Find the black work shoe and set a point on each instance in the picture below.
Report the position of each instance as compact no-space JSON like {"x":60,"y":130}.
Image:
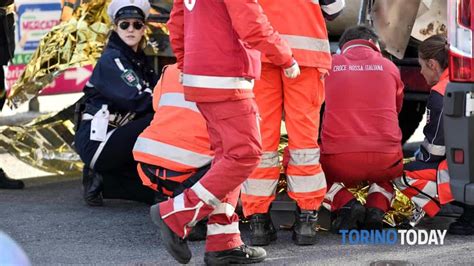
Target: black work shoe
{"x":8,"y":183}
{"x":464,"y":224}
{"x":176,"y":246}
{"x":374,"y":219}
{"x":304,"y":230}
{"x":262,"y":231}
{"x":348,"y":217}
{"x":240,"y":255}
{"x":92,"y":183}
{"x":199,"y":231}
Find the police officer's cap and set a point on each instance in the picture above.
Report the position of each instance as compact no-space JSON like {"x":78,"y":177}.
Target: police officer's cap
{"x":122,"y":9}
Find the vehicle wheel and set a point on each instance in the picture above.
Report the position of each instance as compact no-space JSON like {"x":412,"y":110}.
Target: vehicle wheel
{"x":410,"y":117}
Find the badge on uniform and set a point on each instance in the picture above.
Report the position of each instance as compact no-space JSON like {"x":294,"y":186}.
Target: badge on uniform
{"x":130,"y":78}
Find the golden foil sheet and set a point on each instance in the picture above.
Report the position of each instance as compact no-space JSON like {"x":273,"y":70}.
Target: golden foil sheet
{"x":73,"y":43}
{"x":45,"y":143}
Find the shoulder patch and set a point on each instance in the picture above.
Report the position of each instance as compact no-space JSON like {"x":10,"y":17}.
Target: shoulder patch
{"x":130,"y":78}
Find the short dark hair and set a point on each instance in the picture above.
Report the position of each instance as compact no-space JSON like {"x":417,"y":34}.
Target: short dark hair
{"x":435,"y":47}
{"x":358,"y":32}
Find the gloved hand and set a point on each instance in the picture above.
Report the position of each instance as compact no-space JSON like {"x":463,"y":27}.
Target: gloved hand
{"x":293,"y":71}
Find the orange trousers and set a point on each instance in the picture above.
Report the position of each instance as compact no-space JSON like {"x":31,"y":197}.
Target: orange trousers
{"x":299,"y":102}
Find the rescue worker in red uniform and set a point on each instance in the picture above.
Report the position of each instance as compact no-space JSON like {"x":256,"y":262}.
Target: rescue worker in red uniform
{"x":426,"y":180}
{"x":361,"y":139}
{"x":300,"y":100}
{"x":173,"y":152}
{"x":216,"y":43}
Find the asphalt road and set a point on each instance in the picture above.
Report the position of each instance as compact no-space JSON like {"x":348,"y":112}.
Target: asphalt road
{"x":50,"y":221}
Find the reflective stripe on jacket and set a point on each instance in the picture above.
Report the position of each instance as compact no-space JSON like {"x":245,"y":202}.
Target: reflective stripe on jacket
{"x":301,"y":23}
{"x":177,"y":138}
{"x":217,"y":48}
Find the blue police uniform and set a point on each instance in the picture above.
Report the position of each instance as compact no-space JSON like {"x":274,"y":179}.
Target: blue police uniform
{"x":123,"y":81}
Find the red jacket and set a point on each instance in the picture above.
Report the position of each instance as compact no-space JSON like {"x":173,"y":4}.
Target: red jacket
{"x":215,"y":47}
{"x":364,"y":94}
{"x":301,"y":23}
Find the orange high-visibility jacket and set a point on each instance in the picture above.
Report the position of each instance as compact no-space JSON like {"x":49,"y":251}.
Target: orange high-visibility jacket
{"x":301,"y":23}
{"x":177,"y":138}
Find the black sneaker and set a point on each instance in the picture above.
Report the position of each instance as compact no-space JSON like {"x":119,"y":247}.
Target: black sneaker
{"x":304,"y":230}
{"x":348,"y":217}
{"x":464,"y":224}
{"x":92,"y":183}
{"x":176,"y":246}
{"x":8,"y":183}
{"x":262,"y":231}
{"x":199,"y":231}
{"x":374,"y":219}
{"x":240,"y":255}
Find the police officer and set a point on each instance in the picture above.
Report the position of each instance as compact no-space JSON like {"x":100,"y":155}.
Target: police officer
{"x":7,"y":47}
{"x":118,"y":107}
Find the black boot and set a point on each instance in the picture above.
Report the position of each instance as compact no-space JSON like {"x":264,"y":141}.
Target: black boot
{"x":262,"y":231}
{"x":92,"y":184}
{"x":464,"y":224}
{"x":304,"y":230}
{"x":240,"y":255}
{"x":374,"y":219}
{"x":176,"y":246}
{"x":8,"y":183}
{"x":348,"y":217}
{"x":199,"y":231}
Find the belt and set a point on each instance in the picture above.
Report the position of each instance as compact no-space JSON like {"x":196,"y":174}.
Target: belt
{"x":10,"y":9}
{"x":87,"y":116}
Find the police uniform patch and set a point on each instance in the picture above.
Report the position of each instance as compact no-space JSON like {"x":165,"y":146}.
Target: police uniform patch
{"x":130,"y":78}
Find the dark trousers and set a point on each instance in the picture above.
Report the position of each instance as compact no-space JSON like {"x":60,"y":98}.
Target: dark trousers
{"x":119,"y":169}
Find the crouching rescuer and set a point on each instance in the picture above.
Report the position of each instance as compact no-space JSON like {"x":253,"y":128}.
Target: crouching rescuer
{"x":426,"y":180}
{"x":174,"y":152}
{"x":361,"y":139}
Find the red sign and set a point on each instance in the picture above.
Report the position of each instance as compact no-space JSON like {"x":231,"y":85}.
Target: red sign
{"x":71,"y":81}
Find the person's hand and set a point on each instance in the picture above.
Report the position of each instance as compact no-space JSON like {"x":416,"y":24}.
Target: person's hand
{"x":293,"y":71}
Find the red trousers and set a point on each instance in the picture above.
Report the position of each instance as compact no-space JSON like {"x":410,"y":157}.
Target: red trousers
{"x":235,"y":139}
{"x":351,"y":169}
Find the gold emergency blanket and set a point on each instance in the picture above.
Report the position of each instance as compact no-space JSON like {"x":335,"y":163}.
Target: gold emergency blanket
{"x":74,"y":43}
{"x":403,"y":210}
{"x":45,"y":143}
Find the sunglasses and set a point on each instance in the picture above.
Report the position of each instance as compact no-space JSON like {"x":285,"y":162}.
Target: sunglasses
{"x":124,"y":25}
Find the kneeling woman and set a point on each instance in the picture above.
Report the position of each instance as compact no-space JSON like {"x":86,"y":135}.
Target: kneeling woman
{"x":118,"y":107}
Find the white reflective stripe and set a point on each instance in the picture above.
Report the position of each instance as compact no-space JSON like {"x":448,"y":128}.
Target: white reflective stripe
{"x":100,"y":148}
{"x":438,"y":150}
{"x":269,"y":160}
{"x":215,"y":82}
{"x":334,"y":8}
{"x":430,"y":189}
{"x":172,"y":153}
{"x":259,"y":187}
{"x":374,"y":188}
{"x":224,"y":208}
{"x":302,"y":184}
{"x":205,"y":195}
{"x":353,"y":46}
{"x":178,"y":202}
{"x":420,"y":200}
{"x":316,"y":2}
{"x":336,"y":187}
{"x":148,"y":90}
{"x":307,"y":43}
{"x":302,"y":157}
{"x":177,"y":100}
{"x":219,"y":229}
{"x":443,"y":177}
{"x":88,"y":84}
{"x":119,"y":64}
